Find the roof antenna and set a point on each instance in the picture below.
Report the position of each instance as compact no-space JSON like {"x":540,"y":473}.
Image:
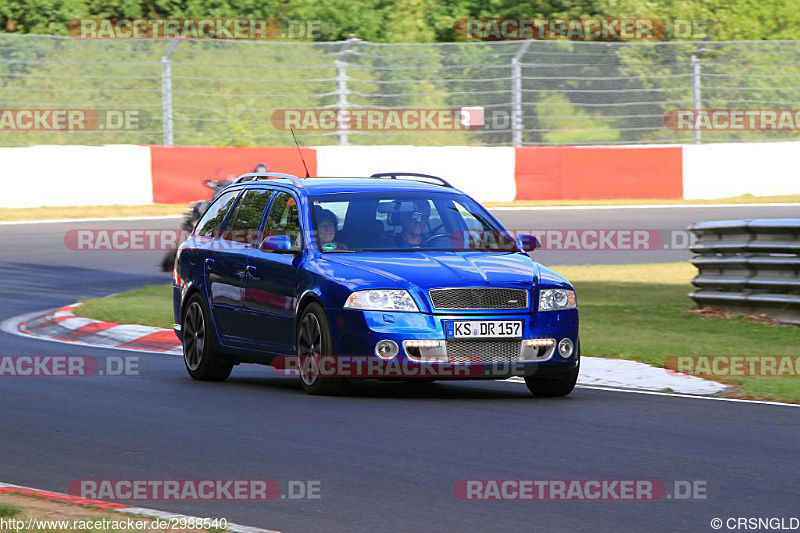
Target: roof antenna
{"x":300,"y":152}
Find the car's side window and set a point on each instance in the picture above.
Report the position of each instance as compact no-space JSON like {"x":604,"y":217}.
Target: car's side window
{"x":246,"y":217}
{"x":284,"y":219}
{"x":468,"y":220}
{"x":213,"y":218}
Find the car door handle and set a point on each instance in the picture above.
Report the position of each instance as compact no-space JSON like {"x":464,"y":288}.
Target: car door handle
{"x":209,"y":263}
{"x":250,"y":270}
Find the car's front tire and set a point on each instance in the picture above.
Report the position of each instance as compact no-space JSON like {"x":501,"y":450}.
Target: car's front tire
{"x":550,"y":387}
{"x":313,"y":342}
{"x":556,"y":385}
{"x":201,"y":360}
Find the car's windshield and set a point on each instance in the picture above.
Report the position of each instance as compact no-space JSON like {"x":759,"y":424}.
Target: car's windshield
{"x":352,"y":222}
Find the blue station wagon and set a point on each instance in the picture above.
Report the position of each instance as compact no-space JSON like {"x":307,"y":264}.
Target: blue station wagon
{"x":394,"y":276}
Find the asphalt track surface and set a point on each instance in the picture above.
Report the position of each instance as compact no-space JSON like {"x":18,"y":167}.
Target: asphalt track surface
{"x":387,"y":456}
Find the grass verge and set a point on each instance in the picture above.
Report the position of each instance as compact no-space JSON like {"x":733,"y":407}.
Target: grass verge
{"x":636,"y":312}
{"x":640,"y":312}
{"x":151,"y":306}
{"x":7,"y":511}
{"x":108,"y":211}
{"x":89,"y":211}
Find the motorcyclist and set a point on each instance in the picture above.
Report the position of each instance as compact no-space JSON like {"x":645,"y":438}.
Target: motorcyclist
{"x":197,"y":210}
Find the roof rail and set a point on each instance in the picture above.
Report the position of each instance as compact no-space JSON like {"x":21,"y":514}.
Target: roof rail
{"x":253,"y":176}
{"x":394,"y":176}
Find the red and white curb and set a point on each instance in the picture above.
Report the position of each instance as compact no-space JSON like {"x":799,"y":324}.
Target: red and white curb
{"x":6,"y":488}
{"x":62,"y":325}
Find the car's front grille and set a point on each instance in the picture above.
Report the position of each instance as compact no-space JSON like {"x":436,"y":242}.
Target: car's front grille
{"x":485,"y":352}
{"x":465,"y":298}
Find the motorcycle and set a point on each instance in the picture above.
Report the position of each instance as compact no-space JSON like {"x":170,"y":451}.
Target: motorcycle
{"x":196,"y":211}
{"x":192,"y":215}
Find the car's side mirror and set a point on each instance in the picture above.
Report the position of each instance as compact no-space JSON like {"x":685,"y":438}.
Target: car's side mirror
{"x":528,"y":243}
{"x":277,"y":243}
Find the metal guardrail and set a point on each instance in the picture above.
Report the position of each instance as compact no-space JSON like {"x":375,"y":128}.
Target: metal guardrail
{"x":748,"y":267}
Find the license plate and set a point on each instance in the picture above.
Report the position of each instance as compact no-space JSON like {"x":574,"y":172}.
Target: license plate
{"x":475,"y":329}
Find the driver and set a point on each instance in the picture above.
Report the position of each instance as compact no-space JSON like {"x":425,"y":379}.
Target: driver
{"x":413,"y":224}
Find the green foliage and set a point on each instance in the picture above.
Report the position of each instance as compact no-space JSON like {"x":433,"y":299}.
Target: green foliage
{"x":225,"y":93}
{"x":568,"y":125}
{"x":413,"y":20}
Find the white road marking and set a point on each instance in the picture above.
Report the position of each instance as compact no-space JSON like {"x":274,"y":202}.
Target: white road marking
{"x":614,"y":375}
{"x":673,"y":394}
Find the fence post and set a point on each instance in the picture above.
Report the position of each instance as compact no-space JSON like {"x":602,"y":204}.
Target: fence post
{"x":696,"y":95}
{"x":166,"y":92}
{"x":342,"y":103}
{"x":516,"y":94}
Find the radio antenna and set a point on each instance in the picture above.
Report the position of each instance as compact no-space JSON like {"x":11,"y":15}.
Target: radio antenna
{"x":308,"y":175}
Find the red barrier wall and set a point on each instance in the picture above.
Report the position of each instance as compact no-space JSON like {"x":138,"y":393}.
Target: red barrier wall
{"x":594,"y":173}
{"x":179,"y":172}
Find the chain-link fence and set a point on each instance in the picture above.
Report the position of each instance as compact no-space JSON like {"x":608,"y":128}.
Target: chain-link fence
{"x":200,"y":92}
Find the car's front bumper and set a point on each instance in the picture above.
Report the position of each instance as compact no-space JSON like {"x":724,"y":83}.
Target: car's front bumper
{"x":356,"y":333}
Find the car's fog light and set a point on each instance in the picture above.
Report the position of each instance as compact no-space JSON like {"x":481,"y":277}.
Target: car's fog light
{"x":565,"y":348}
{"x":386,"y":349}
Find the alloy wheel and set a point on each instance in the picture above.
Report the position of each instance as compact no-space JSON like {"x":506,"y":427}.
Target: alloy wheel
{"x":194,"y":336}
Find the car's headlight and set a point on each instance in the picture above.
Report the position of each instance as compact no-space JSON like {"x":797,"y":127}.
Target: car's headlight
{"x":382,"y":300}
{"x":556,"y":299}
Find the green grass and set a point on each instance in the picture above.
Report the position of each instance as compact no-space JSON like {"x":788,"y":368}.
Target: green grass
{"x":151,"y":305}
{"x":7,"y":511}
{"x":644,"y":318}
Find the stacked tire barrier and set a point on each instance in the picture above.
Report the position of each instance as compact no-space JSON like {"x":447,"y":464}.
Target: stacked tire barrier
{"x":748,"y":267}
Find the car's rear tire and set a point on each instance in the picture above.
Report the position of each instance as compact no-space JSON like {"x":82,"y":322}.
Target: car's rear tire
{"x":555,"y":385}
{"x":314,"y":341}
{"x":201,"y":360}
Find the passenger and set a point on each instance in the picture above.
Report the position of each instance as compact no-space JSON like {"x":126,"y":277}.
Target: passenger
{"x":326,"y":228}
